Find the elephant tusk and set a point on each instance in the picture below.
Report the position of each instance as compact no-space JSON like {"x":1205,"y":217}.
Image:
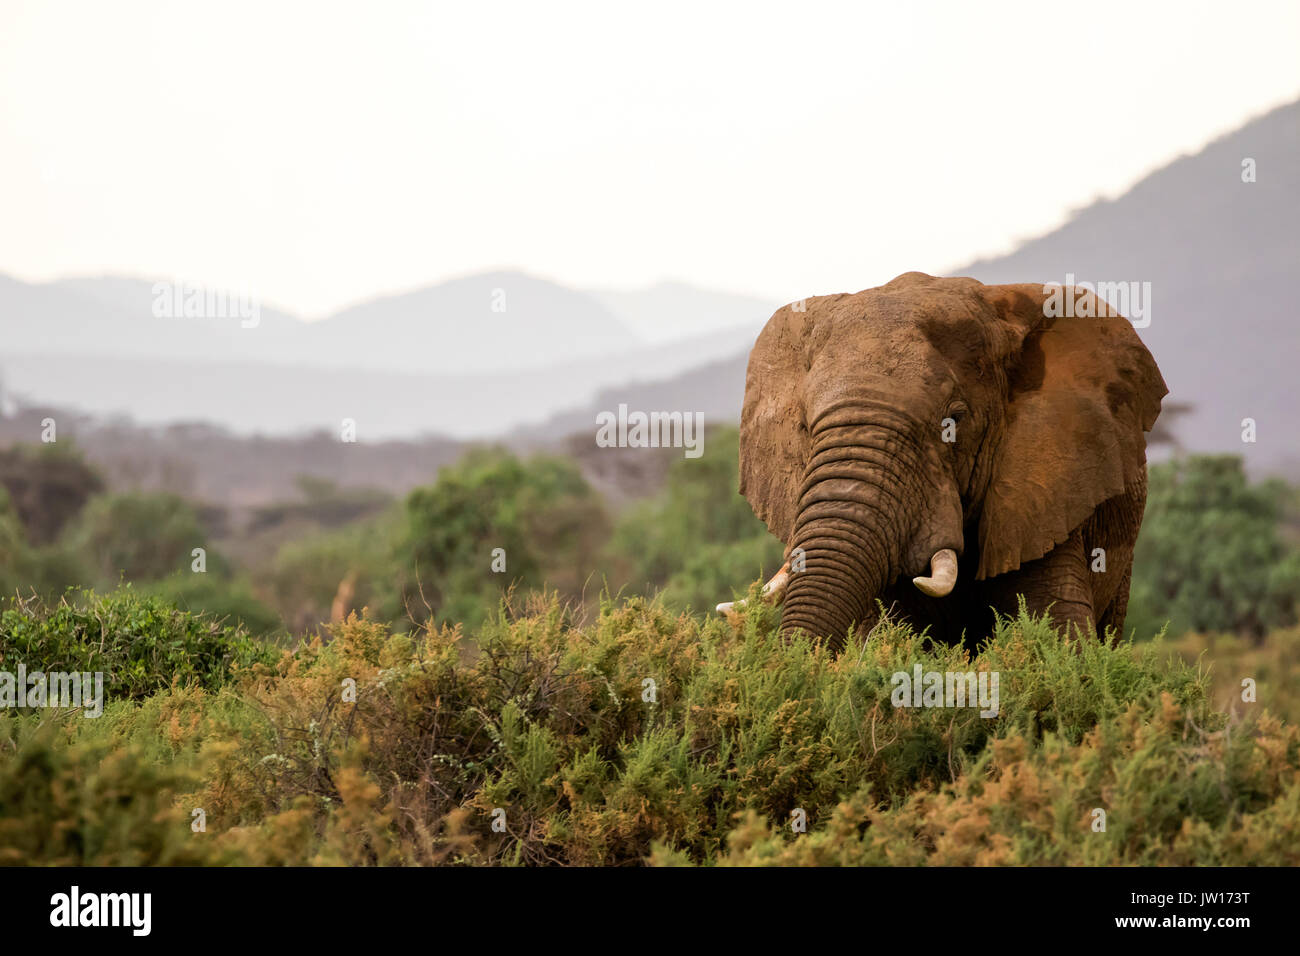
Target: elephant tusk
{"x":943,"y":574}
{"x":773,"y":591}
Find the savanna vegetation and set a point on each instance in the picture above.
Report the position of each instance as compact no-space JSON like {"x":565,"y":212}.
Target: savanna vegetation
{"x":643,"y":736}
{"x":1217,"y":554}
{"x":353,"y":679}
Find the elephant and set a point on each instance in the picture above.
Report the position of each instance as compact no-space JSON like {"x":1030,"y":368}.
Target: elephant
{"x":945,"y":448}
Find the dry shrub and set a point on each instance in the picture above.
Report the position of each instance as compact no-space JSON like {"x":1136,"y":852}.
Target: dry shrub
{"x":651,"y":736}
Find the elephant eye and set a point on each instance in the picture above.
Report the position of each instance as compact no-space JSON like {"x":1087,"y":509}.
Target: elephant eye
{"x":957,"y":411}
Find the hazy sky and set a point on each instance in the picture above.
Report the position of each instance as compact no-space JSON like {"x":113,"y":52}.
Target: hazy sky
{"x":321,"y":153}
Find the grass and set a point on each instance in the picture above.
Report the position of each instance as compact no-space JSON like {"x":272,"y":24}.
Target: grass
{"x":650,"y":737}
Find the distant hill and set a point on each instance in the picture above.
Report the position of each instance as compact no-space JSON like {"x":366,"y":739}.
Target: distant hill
{"x":672,"y":311}
{"x":435,"y":360}
{"x":1220,"y":255}
{"x":113,"y":317}
{"x":495,"y":321}
{"x":715,"y":390}
{"x":258,"y":398}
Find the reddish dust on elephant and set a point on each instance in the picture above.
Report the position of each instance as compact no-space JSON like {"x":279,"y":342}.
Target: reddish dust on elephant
{"x":943,"y":447}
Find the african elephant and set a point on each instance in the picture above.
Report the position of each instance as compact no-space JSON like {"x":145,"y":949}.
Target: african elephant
{"x":959,"y":435}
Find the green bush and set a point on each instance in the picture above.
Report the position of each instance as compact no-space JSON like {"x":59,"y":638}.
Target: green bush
{"x":713,"y":573}
{"x":698,"y":540}
{"x":541,"y":513}
{"x":25,"y":568}
{"x":48,"y":485}
{"x":140,"y":643}
{"x":90,"y":803}
{"x":15,"y":560}
{"x":139,"y":537}
{"x":1210,"y":556}
{"x":217,"y":598}
{"x":307,"y":575}
{"x":559,"y":727}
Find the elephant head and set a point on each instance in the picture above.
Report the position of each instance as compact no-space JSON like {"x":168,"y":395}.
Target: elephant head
{"x":888,"y":432}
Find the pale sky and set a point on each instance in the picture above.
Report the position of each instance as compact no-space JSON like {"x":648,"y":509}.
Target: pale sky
{"x":321,"y":153}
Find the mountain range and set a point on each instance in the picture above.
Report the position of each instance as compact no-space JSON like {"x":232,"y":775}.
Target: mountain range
{"x":486,"y":323}
{"x":507,"y":354}
{"x":465,"y":358}
{"x":1220,"y":254}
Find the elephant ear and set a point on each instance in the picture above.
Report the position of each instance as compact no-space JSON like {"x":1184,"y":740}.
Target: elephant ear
{"x":1081,"y":393}
{"x":774,"y":443}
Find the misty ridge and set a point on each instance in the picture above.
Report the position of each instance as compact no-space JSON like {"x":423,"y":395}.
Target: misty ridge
{"x":507,"y":356}
{"x":466,"y":358}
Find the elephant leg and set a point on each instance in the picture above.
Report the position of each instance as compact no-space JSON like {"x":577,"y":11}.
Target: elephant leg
{"x":1058,"y":584}
{"x":1113,"y":528}
{"x":1113,"y":617}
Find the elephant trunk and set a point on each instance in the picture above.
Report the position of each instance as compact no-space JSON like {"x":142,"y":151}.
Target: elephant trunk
{"x":851,"y":529}
{"x":837,"y":587}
